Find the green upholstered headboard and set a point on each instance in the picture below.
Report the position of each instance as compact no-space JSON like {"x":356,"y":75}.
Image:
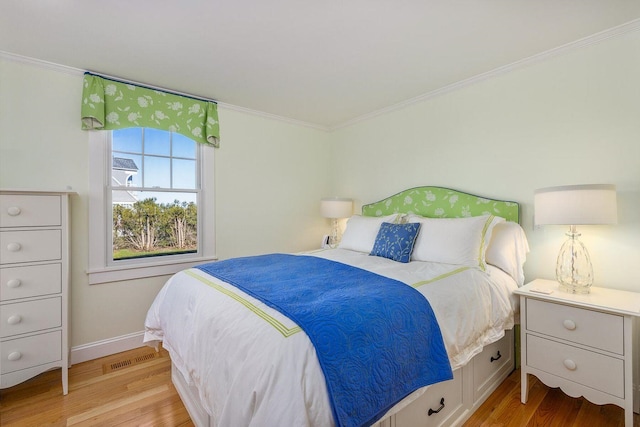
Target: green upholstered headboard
{"x":439,"y":202}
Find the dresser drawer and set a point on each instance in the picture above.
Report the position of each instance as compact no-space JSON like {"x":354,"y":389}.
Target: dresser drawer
{"x":594,"y":329}
{"x":29,"y":246}
{"x":31,"y":281}
{"x":30,"y":316}
{"x":31,"y":351}
{"x":417,"y":412}
{"x":21,"y":210}
{"x":585,"y":367}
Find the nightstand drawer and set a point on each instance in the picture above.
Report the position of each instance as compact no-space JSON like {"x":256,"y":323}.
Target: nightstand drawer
{"x":591,"y":328}
{"x":585,"y":367}
{"x":29,"y":246}
{"x":30,"y":316}
{"x":19,"y":210}
{"x":31,"y":281}
{"x":31,"y":351}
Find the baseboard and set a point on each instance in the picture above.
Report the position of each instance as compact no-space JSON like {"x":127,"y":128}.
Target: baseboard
{"x":107,"y":347}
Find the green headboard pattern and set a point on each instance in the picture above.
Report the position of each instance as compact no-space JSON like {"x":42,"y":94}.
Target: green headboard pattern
{"x":439,"y":202}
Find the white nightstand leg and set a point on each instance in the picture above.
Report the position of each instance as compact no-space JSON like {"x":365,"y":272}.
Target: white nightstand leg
{"x":524,"y":377}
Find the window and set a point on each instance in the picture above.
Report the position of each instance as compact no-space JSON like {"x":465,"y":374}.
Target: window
{"x":149,"y":201}
{"x":155,"y":207}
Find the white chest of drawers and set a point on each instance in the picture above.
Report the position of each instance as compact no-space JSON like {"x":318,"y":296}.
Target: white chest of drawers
{"x":34,"y":285}
{"x":584,"y":344}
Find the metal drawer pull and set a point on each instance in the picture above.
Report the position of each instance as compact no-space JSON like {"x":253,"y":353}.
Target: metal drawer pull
{"x":14,"y":247}
{"x":498,"y":356}
{"x":431,"y":411}
{"x":13,"y":211}
{"x":570,"y":364}
{"x":569,"y":324}
{"x":14,"y":283}
{"x":16,"y":355}
{"x":14,"y":320}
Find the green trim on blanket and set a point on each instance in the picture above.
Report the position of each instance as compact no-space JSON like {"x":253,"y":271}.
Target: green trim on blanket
{"x":440,"y":277}
{"x":285,"y":331}
{"x":481,"y":251}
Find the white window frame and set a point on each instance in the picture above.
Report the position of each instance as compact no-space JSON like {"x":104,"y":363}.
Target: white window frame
{"x":102,"y":269}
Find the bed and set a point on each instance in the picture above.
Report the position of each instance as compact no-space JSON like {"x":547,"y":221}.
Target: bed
{"x":236,"y":360}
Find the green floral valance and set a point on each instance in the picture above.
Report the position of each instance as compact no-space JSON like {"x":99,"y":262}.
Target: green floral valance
{"x":109,"y":104}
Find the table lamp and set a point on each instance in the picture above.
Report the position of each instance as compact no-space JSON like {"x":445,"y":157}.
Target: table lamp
{"x":335,"y":208}
{"x":575,"y":205}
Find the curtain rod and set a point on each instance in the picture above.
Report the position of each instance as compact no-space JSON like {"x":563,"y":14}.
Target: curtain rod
{"x":146,"y":86}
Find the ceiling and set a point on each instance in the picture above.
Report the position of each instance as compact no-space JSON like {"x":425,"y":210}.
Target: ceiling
{"x":324,"y":63}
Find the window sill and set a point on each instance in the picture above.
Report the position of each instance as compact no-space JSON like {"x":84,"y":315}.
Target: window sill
{"x":140,"y":271}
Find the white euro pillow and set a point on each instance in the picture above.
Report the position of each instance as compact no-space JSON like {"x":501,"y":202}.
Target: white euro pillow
{"x":360,"y":234}
{"x":508,"y":250}
{"x":461,"y":241}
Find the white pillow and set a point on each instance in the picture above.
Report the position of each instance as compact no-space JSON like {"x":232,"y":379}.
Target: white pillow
{"x":454,"y":240}
{"x":508,"y":250}
{"x":361,"y":232}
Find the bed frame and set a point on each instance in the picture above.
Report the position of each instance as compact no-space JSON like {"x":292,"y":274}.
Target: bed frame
{"x":449,"y":403}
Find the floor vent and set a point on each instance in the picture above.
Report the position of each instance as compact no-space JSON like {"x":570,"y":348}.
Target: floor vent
{"x":121,"y":364}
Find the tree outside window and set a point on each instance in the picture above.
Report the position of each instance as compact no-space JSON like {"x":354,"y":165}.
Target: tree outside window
{"x":154,"y":193}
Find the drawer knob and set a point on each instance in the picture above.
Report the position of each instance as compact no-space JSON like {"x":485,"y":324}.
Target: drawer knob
{"x":14,"y":247}
{"x":14,"y":320}
{"x":14,"y":283}
{"x":13,"y":211}
{"x":13,"y":356}
{"x":570,"y":364}
{"x":569,"y":324}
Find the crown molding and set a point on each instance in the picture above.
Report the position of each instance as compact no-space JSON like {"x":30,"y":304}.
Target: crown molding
{"x":551,"y":53}
{"x":274,"y":117}
{"x":41,"y":64}
{"x":617,"y":31}
{"x":79,"y":72}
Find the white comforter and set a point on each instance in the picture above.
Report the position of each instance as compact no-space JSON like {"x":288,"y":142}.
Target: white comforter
{"x":254,"y":367}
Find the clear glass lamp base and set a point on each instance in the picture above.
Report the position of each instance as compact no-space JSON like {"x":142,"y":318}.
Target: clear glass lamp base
{"x":574,"y":271}
{"x":334,"y":240}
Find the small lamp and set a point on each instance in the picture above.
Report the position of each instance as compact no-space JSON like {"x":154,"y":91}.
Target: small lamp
{"x":335,"y":208}
{"x":575,"y":205}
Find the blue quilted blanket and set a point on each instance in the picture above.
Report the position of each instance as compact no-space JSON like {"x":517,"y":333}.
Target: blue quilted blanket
{"x":376,"y":339}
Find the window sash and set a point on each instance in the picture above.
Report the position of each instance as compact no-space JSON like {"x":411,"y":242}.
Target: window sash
{"x":99,"y":175}
{"x":111,"y":188}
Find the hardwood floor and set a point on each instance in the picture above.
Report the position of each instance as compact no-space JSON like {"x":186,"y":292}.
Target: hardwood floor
{"x":546,"y":407}
{"x":126,"y":389}
{"x":134,"y":389}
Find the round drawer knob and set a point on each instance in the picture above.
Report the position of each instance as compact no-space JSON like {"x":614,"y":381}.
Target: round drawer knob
{"x":569,"y":324}
{"x":13,"y":211}
{"x":570,"y":364}
{"x":14,"y":247}
{"x":14,"y":283}
{"x":14,"y":320}
{"x":13,"y":356}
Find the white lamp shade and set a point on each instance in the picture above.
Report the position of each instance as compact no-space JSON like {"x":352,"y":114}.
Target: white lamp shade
{"x":576,"y":205}
{"x":336,"y":208}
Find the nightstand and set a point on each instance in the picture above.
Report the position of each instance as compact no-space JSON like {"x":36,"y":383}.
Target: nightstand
{"x":583,"y":344}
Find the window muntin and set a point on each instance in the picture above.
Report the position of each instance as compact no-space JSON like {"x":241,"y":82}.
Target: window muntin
{"x":154,"y":211}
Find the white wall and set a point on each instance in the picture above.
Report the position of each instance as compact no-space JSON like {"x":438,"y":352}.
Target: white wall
{"x":269,"y":178}
{"x":570,"y":119}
